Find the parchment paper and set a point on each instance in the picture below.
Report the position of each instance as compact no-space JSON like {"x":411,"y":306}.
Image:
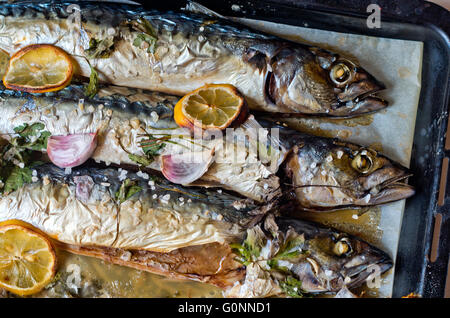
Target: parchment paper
{"x":398,"y":64}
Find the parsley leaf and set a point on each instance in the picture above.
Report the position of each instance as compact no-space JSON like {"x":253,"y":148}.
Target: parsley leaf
{"x":292,"y":287}
{"x":127,"y":190}
{"x":100,"y":48}
{"x":15,"y":162}
{"x":30,"y":137}
{"x":148,"y":38}
{"x":152,"y":151}
{"x":17,"y":178}
{"x":250,"y":249}
{"x":142,"y":160}
{"x":92,"y":88}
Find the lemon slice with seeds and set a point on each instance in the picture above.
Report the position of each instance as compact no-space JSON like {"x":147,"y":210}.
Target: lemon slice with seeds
{"x":27,"y":258}
{"x":39,"y":68}
{"x":213,"y":106}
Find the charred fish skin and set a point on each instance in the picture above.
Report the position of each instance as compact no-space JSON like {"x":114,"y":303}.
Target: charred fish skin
{"x":328,"y":174}
{"x":123,"y":118}
{"x":192,"y":49}
{"x":120,"y":209}
{"x":299,"y":258}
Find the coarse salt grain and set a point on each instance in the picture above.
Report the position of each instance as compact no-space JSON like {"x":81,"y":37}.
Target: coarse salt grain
{"x":154,"y":116}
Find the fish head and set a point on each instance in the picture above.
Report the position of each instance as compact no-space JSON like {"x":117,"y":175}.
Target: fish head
{"x":316,"y":81}
{"x":332,"y":260}
{"x":328,"y":174}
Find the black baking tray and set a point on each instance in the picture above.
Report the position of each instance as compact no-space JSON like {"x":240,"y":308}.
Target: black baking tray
{"x":416,"y":270}
{"x":422,"y":261}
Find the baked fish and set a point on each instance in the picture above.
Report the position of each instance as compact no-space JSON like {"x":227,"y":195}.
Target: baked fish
{"x":328,"y":174}
{"x":317,"y":173}
{"x":188,"y":233}
{"x":123,"y":119}
{"x":285,"y":256}
{"x":177,"y":52}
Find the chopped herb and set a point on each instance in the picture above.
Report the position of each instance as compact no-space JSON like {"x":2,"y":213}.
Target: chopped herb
{"x":17,"y":178}
{"x":92,"y":88}
{"x":127,"y":190}
{"x":142,"y":160}
{"x":147,"y":38}
{"x":26,"y":130}
{"x":31,"y":136}
{"x":153,"y":149}
{"x":290,"y":249}
{"x":244,"y":254}
{"x":292,"y":287}
{"x":250,"y":249}
{"x":100,"y":48}
{"x":16,"y":157}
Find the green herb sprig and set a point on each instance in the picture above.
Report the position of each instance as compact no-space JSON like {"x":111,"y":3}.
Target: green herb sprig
{"x":148,"y":36}
{"x":127,"y":189}
{"x":16,"y":157}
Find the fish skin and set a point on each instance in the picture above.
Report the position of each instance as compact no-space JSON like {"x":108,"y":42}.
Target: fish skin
{"x":192,"y":49}
{"x":318,"y":266}
{"x":213,"y":263}
{"x":119,"y":116}
{"x":81,"y":208}
{"x":130,"y":111}
{"x":176,"y":238}
{"x":322,"y":177}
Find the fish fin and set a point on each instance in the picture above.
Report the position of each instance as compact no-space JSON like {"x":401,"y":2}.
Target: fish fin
{"x":196,"y":7}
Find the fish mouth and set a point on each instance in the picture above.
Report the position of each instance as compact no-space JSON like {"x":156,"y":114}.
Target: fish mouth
{"x":355,"y":276}
{"x":389,"y":190}
{"x":359,"y":97}
{"x":361,"y":105}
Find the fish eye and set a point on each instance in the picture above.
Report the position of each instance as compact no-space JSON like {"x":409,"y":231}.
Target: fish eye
{"x":343,"y":247}
{"x":340,"y":73}
{"x":362,"y":162}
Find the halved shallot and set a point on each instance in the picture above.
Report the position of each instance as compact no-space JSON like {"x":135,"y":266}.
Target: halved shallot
{"x":185,"y":168}
{"x":71,"y":150}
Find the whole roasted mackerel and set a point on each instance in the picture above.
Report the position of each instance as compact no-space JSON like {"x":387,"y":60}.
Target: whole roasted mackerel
{"x":177,"y":52}
{"x":123,"y":119}
{"x":149,"y":224}
{"x":318,"y":173}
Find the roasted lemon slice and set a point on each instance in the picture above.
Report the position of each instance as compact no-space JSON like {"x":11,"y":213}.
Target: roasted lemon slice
{"x":39,"y":68}
{"x":27,"y":258}
{"x":213,"y":106}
